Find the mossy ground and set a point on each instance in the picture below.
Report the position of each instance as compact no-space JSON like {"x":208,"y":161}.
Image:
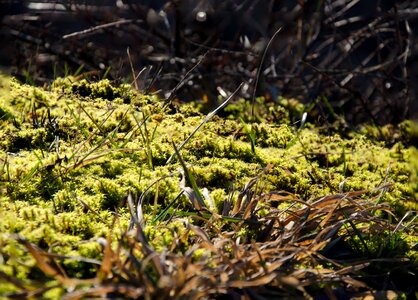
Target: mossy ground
{"x":71,"y":154}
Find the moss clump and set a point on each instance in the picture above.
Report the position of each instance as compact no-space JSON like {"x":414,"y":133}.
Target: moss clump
{"x":282,"y":111}
{"x":409,"y":132}
{"x":406,"y":133}
{"x":5,"y":115}
{"x":71,"y":154}
{"x":93,"y":90}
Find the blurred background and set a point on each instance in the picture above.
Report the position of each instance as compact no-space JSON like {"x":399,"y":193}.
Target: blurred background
{"x":356,"y":59}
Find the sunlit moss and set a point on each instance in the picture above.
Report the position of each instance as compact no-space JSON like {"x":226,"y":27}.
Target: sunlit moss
{"x":173,"y":234}
{"x":70,"y":155}
{"x":409,"y":131}
{"x":54,"y":293}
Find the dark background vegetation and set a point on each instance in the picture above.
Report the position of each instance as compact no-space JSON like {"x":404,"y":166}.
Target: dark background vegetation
{"x":351,"y":58}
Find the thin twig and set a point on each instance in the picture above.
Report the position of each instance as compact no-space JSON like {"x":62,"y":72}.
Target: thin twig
{"x":95,"y":28}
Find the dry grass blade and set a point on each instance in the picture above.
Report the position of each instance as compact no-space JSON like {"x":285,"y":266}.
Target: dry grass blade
{"x":106,"y":266}
{"x":279,"y":197}
{"x":183,"y":80}
{"x":132,"y":69}
{"x":85,"y":205}
{"x":190,"y":286}
{"x":262,"y":280}
{"x":260,"y":67}
{"x":48,"y":266}
{"x":104,"y":291}
{"x":329,"y":215}
{"x":16,"y":282}
{"x":247,"y":193}
{"x":137,"y":217}
{"x":193,"y":192}
{"x":199,"y":232}
{"x":353,"y":268}
{"x":206,"y":119}
{"x":33,"y":294}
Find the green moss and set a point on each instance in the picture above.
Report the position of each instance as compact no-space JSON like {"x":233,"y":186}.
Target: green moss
{"x":102,"y":89}
{"x":283,"y":111}
{"x":54,"y":293}
{"x":405,"y":132}
{"x":5,"y":115}
{"x":385,"y":244}
{"x":409,"y":132}
{"x":71,"y":153}
{"x":174,"y":234}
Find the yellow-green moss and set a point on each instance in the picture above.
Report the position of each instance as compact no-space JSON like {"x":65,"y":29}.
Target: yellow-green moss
{"x":71,"y":153}
{"x":163,"y":236}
